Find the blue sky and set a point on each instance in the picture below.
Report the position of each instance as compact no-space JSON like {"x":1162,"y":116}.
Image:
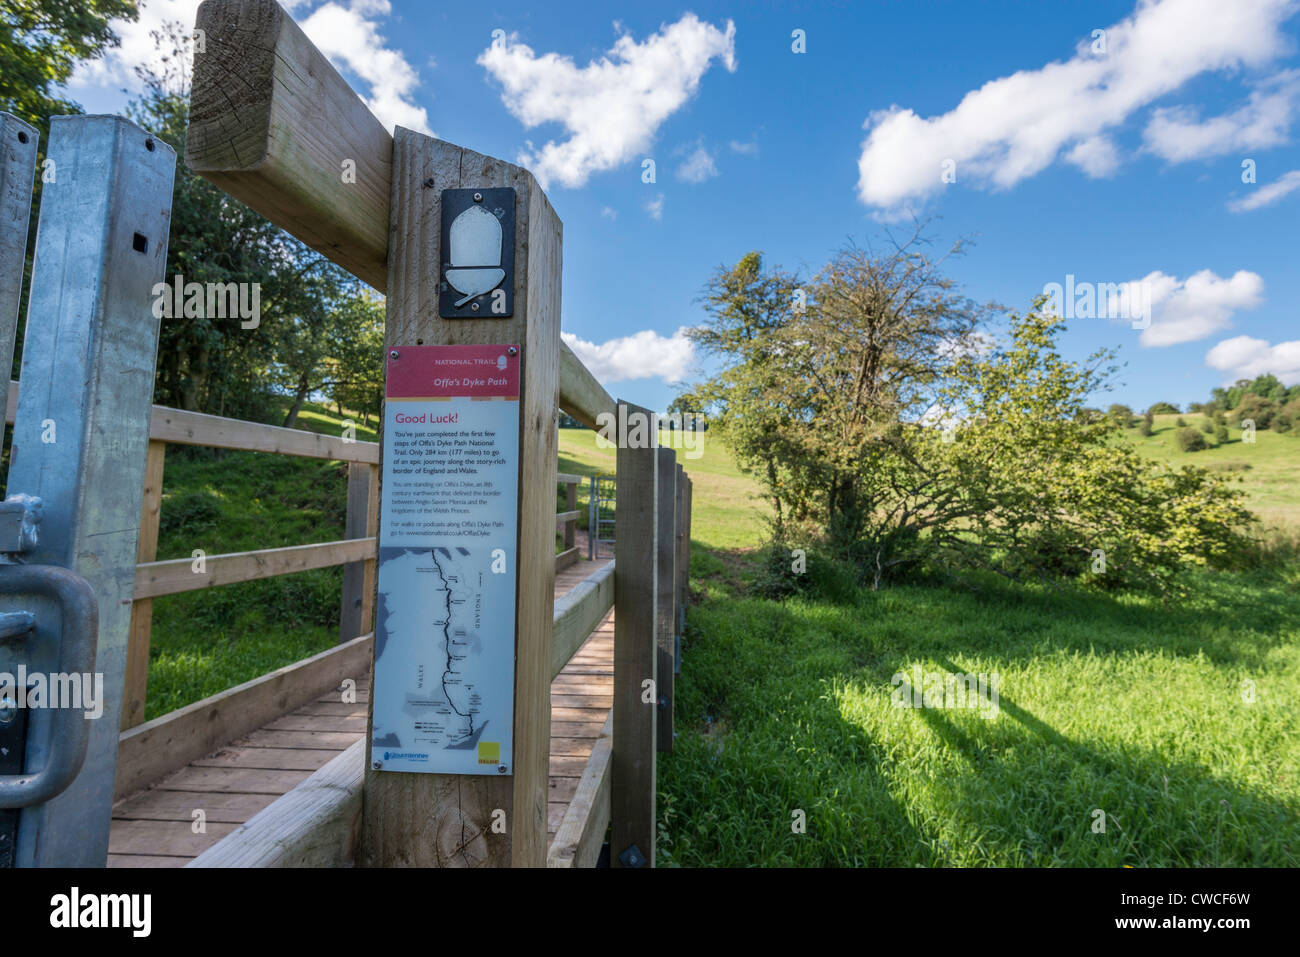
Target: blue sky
{"x":1114,"y":157}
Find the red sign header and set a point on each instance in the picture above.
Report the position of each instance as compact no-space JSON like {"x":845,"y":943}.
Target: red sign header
{"x":442,"y":372}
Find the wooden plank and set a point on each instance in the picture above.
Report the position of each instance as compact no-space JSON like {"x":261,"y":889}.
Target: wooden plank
{"x":233,"y":780}
{"x":163,"y":805}
{"x":145,"y":860}
{"x":666,"y":613}
{"x":568,"y":478}
{"x":581,"y":833}
{"x":148,"y":751}
{"x":636,"y":569}
{"x":267,"y":759}
{"x":275,"y":125}
{"x":137,"y":642}
{"x":566,"y":559}
{"x":18,"y":142}
{"x":580,"y":395}
{"x":178,"y":427}
{"x":371,"y":567}
{"x":405,"y":813}
{"x":579,"y":613}
{"x":178,"y":575}
{"x":562,"y":517}
{"x":317,"y":722}
{"x":354,"y":573}
{"x":312,"y":740}
{"x":195,"y":428}
{"x":314,"y":825}
{"x":164,"y":838}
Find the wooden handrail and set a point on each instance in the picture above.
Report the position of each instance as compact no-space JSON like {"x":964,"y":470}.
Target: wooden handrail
{"x":581,"y":396}
{"x":578,"y":612}
{"x":179,"y":427}
{"x":178,"y":575}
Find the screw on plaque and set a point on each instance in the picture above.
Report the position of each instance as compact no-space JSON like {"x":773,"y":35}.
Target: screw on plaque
{"x":632,"y":857}
{"x":394,"y":354}
{"x":478,"y":197}
{"x":377,"y":765}
{"x":512,"y":351}
{"x":663,"y":702}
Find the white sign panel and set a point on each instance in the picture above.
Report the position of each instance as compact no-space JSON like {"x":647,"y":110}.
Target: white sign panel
{"x":443,"y":687}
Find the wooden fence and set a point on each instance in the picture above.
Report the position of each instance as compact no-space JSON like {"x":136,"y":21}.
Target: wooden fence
{"x":271,"y":121}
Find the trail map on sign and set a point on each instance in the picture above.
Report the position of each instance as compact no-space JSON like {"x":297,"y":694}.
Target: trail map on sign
{"x":444,"y":635}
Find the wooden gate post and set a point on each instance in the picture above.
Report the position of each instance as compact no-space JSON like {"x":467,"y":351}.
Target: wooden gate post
{"x":135,"y":696}
{"x":356,"y":610}
{"x":441,"y":819}
{"x":636,"y":602}
{"x":666,"y":613}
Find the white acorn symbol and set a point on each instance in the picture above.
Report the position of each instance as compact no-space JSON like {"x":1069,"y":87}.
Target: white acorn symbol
{"x":475,"y":240}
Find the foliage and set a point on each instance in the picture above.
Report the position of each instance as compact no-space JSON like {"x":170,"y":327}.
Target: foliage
{"x":1166,"y":408}
{"x":1189,"y":440}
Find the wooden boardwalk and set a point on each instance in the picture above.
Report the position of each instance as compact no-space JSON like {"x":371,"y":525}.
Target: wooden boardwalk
{"x":156,"y":827}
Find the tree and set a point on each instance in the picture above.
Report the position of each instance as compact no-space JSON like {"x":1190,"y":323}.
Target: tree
{"x":1166,"y":408}
{"x":41,"y":43}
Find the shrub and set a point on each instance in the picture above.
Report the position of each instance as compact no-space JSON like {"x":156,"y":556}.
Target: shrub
{"x":1181,"y":423}
{"x":1255,"y":407}
{"x":1207,"y":426}
{"x":1189,"y":440}
{"x":1220,"y":435}
{"x":1145,"y":428}
{"x":1166,"y":408}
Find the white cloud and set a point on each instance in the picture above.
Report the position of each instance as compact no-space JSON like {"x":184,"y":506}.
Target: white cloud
{"x":613,"y":106}
{"x":347,"y":35}
{"x":745,"y":149}
{"x":1097,"y":156}
{"x":642,"y":355}
{"x":1016,"y":126}
{"x":1184,"y":310}
{"x":352,"y":41}
{"x":1266,"y":195}
{"x":1245,"y":358}
{"x":698,"y":166}
{"x":609,"y":212}
{"x":655,"y":207}
{"x":1176,"y":134}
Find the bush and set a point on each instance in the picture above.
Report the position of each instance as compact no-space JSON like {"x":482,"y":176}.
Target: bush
{"x":1166,"y":408}
{"x":1189,"y":440}
{"x":817,"y":574}
{"x":1220,"y":435}
{"x":1181,"y":423}
{"x":1207,"y":426}
{"x":1145,"y":428}
{"x":1255,"y":407}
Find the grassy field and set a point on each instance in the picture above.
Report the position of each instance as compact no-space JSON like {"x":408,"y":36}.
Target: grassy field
{"x":1174,"y":725}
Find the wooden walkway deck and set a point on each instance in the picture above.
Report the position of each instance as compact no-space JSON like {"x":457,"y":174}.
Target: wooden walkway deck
{"x":157,"y":827}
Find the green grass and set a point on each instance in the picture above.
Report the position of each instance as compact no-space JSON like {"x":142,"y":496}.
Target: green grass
{"x":1117,"y":704}
{"x":1268,"y":469}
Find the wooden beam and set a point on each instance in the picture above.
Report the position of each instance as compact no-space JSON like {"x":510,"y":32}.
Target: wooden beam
{"x":137,"y":642}
{"x":147,"y":752}
{"x":562,"y":517}
{"x":582,"y":832}
{"x":177,"y":427}
{"x":632,"y":801}
{"x":580,"y":395}
{"x":177,"y":575}
{"x":566,"y":478}
{"x":578,"y":612}
{"x":404,"y":813}
{"x":315,"y":824}
{"x":195,"y":428}
{"x":275,"y":125}
{"x":566,"y":558}
{"x":666,"y":612}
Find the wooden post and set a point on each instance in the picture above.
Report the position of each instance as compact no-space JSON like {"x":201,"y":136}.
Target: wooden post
{"x":137,"y":643}
{"x":666,"y":614}
{"x":685,"y":569}
{"x":446,"y":820}
{"x":370,"y":566}
{"x":352,"y":622}
{"x":570,"y":505}
{"x":679,"y":608}
{"x":636,"y":586}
